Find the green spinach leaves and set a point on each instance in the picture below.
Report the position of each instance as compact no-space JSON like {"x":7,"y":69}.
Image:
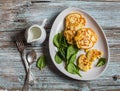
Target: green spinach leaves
{"x":71,"y":53}
{"x":58,"y":59}
{"x":41,"y":62}
{"x":60,"y":41}
{"x":73,"y":69}
{"x":101,"y":62}
{"x":66,"y":53}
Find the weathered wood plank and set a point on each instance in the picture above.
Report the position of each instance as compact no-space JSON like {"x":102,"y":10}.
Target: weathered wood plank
{"x":48,"y":1}
{"x":17,"y":17}
{"x":51,"y":78}
{"x":41,"y":1}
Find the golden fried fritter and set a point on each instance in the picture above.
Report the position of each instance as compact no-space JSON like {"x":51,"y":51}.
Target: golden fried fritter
{"x":83,"y":63}
{"x":85,"y":38}
{"x":74,"y":21}
{"x":69,"y":35}
{"x":93,"y":54}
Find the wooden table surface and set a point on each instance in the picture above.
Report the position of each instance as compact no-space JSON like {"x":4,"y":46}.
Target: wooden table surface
{"x":17,"y":15}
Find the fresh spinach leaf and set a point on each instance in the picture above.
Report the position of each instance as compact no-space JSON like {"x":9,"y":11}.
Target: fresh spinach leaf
{"x":70,"y":51}
{"x":77,"y":70}
{"x":72,"y":68}
{"x":60,"y":41}
{"x":41,"y":62}
{"x":56,"y":40}
{"x":101,"y":62}
{"x":72,"y":58}
{"x":64,"y":42}
{"x":62,"y":53}
{"x":57,"y":58}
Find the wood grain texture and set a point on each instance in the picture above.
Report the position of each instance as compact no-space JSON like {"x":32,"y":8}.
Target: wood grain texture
{"x":17,"y":15}
{"x":41,"y":1}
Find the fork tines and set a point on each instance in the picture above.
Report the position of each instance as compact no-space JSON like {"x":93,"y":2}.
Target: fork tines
{"x":20,"y":45}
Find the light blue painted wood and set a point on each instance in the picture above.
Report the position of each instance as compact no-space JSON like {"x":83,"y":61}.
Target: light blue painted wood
{"x":106,"y":13}
{"x":17,"y":16}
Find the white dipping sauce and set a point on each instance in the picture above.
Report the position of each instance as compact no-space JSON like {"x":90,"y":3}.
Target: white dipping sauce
{"x":34,"y":33}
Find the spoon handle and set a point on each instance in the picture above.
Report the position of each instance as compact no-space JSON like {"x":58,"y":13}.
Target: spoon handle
{"x":26,"y":85}
{"x":31,"y":77}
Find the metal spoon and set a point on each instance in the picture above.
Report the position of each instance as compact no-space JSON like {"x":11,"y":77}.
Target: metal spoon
{"x":31,"y":58}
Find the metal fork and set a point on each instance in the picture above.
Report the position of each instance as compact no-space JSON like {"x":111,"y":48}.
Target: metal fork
{"x":21,"y":47}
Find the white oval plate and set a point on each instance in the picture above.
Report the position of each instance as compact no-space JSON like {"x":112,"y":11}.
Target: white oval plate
{"x":101,"y":44}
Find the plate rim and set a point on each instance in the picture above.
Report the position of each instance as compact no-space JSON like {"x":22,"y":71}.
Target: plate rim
{"x":108,"y":50}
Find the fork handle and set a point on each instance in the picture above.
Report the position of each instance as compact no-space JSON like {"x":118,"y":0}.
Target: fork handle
{"x":26,"y":85}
